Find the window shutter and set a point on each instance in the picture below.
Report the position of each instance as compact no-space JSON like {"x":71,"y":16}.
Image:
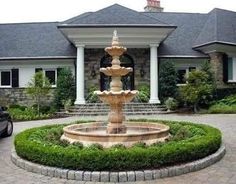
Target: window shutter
{"x":15,"y":78}
{"x":230,"y":69}
{"x":225,"y":68}
{"x":38,"y":70}
{"x":58,"y":71}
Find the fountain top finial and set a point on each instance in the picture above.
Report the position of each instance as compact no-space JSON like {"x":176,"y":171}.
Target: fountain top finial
{"x":115,"y":39}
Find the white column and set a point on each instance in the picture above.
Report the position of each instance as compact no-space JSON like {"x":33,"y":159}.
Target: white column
{"x":80,"y":75}
{"x":154,"y":74}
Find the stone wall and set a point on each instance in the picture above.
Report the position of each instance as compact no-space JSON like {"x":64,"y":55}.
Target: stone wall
{"x":19,"y":96}
{"x":92,"y":62}
{"x":217,"y":66}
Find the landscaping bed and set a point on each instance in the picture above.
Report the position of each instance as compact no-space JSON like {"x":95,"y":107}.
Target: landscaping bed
{"x":226,"y":105}
{"x":189,"y":142}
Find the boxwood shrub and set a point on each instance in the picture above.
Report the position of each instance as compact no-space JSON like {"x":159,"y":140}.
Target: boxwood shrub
{"x":37,"y":145}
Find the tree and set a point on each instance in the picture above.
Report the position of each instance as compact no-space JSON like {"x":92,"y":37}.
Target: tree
{"x":196,"y":89}
{"x":65,"y":90}
{"x":207,"y":68}
{"x":168,"y":80}
{"x":38,"y":88}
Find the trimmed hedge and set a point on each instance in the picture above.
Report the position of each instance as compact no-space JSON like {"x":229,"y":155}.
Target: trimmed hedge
{"x":204,"y":141}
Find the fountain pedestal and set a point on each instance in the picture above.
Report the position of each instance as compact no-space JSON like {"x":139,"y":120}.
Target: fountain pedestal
{"x":115,"y":119}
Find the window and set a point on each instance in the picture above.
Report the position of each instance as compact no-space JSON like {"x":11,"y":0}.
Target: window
{"x":51,"y":75}
{"x":232,"y":69}
{"x":6,"y":78}
{"x":181,"y":76}
{"x":182,"y":73}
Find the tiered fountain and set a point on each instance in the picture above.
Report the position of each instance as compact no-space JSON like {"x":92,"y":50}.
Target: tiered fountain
{"x":116,"y":132}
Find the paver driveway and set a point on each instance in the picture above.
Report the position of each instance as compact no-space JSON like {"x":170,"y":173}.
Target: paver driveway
{"x":223,"y":172}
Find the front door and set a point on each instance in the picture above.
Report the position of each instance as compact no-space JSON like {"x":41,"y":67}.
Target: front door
{"x":128,"y":80}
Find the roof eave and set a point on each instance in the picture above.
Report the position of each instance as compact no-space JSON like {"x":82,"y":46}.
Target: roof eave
{"x":196,"y":47}
{"x":116,"y":25}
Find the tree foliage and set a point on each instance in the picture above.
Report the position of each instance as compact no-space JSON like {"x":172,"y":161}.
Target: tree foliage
{"x":65,"y":90}
{"x":38,"y":87}
{"x":197,"y":88}
{"x":168,"y":80}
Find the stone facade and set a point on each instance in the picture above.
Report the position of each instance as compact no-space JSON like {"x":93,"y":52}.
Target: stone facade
{"x":141,"y":58}
{"x":217,"y":66}
{"x":19,"y":96}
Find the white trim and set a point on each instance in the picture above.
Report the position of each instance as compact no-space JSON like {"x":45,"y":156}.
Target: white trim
{"x":38,"y":57}
{"x":234,"y":68}
{"x":214,"y":42}
{"x":182,"y":56}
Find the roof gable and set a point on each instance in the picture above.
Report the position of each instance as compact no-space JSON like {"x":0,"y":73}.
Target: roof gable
{"x":114,"y":15}
{"x":219,"y":27}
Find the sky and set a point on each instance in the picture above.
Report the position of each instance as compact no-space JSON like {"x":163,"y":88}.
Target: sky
{"x":17,"y":11}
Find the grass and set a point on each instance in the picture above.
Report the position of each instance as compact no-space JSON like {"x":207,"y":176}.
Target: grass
{"x":222,"y":109}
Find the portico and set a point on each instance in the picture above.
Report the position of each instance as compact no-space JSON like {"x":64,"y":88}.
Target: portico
{"x":131,"y":36}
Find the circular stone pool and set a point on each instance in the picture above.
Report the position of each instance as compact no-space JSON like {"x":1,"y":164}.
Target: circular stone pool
{"x":96,"y":133}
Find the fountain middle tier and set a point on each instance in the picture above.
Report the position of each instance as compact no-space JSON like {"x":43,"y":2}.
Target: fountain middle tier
{"x":120,"y":97}
{"x":116,"y":71}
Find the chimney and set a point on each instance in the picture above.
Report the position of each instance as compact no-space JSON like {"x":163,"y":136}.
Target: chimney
{"x":153,"y":6}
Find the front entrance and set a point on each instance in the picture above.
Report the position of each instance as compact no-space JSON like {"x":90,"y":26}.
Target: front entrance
{"x":128,"y":80}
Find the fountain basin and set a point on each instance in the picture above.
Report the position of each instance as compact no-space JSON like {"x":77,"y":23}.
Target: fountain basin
{"x":96,"y":133}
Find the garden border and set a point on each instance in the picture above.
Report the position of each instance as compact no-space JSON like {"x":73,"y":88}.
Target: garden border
{"x":128,"y":176}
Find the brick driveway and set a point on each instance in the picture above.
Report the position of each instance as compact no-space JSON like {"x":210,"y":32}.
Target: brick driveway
{"x":223,"y":172}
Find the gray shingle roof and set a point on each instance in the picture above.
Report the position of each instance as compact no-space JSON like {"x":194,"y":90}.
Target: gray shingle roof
{"x":219,"y":27}
{"x":45,"y":40}
{"x":115,"y":15}
{"x":181,"y":40}
{"x":33,"y":40}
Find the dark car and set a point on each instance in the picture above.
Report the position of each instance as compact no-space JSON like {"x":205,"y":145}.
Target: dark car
{"x":6,"y":125}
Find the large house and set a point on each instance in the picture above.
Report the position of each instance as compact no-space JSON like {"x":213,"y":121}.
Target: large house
{"x":152,"y":36}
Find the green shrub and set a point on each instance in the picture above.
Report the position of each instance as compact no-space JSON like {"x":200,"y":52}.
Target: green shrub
{"x":22,"y":113}
{"x":144,"y":93}
{"x":32,"y":145}
{"x":230,"y":100}
{"x":65,"y":89}
{"x":171,"y":103}
{"x":222,"y":108}
{"x":168,"y":80}
{"x":92,"y":98}
{"x":224,"y":93}
{"x":196,"y":89}
{"x":226,"y":105}
{"x":78,"y":145}
{"x":140,"y":145}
